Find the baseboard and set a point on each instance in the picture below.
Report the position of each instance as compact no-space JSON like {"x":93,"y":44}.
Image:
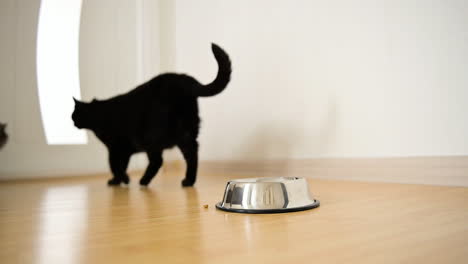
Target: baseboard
{"x":451,"y":170}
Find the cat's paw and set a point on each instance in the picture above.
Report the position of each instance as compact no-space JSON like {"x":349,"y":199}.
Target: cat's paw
{"x":126,"y":180}
{"x":187,"y":183}
{"x":114,"y":182}
{"x":144,"y":182}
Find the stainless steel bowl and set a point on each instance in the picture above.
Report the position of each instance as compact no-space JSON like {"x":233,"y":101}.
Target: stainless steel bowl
{"x":267,"y":195}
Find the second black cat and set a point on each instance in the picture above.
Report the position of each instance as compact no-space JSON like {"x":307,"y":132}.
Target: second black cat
{"x":159,"y":114}
{"x":3,"y":135}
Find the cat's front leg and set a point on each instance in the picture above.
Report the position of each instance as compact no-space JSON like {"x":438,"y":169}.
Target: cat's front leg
{"x":155,"y":162}
{"x":118,"y":161}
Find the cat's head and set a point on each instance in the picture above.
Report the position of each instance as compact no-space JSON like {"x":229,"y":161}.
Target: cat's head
{"x":85,"y":114}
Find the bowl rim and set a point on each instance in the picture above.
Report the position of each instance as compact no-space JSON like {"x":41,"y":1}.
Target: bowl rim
{"x":313,"y":205}
{"x":265,"y":180}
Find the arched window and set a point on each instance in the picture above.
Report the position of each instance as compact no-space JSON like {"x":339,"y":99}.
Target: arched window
{"x":58,"y":69}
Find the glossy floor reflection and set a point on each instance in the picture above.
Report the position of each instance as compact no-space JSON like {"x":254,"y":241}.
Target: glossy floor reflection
{"x":62,"y":223}
{"x":81,"y":220}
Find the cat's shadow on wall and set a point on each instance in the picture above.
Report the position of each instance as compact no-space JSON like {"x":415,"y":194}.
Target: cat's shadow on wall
{"x":273,"y":146}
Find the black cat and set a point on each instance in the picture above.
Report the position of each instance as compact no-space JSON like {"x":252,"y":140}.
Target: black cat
{"x":157,"y":115}
{"x":3,"y":135}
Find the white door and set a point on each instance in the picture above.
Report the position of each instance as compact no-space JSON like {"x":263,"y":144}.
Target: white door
{"x":108,"y":65}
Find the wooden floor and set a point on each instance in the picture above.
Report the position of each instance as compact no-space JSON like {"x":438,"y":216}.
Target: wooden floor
{"x":81,"y":220}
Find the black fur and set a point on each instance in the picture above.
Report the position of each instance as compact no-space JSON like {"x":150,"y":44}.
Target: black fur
{"x":3,"y":135}
{"x":159,"y":114}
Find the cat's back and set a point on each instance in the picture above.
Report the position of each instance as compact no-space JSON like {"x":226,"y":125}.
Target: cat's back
{"x":167,"y":88}
{"x":169,"y":85}
{"x":166,"y":91}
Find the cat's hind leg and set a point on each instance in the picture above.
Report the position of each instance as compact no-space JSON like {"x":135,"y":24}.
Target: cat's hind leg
{"x":155,"y":162}
{"x":118,"y":161}
{"x":189,"y":149}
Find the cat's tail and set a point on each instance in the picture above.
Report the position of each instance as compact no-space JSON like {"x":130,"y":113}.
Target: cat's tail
{"x":223,"y":77}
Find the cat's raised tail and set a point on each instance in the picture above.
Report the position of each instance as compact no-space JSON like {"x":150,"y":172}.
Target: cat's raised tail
{"x":222,"y":78}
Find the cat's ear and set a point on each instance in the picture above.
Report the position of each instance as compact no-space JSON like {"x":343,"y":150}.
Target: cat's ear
{"x":76,"y":101}
{"x":94,"y":100}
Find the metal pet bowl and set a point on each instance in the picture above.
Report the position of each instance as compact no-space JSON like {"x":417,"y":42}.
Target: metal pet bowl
{"x":267,"y":195}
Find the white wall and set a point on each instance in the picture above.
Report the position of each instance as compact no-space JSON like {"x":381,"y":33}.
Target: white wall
{"x":311,"y":78}
{"x":330,"y":78}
